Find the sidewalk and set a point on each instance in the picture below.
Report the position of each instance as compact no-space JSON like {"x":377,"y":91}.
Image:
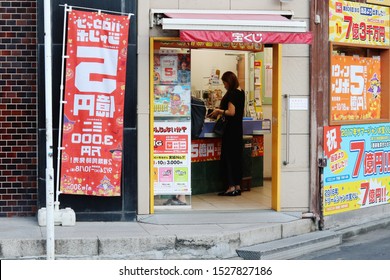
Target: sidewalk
{"x":188,"y":235}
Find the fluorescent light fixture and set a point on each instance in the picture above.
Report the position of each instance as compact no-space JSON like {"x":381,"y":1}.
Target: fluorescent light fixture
{"x":233,"y":25}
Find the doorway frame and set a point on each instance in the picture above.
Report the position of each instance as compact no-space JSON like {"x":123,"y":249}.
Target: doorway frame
{"x":276,"y":129}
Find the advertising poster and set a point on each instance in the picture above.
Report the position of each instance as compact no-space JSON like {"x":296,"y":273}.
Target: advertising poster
{"x":358,"y":168}
{"x":91,"y":160}
{"x":205,"y":149}
{"x":358,"y":23}
{"x":209,"y":149}
{"x":172,"y":158}
{"x":168,"y":69}
{"x":355,"y":88}
{"x":172,"y":100}
{"x":184,"y":69}
{"x":379,"y":2}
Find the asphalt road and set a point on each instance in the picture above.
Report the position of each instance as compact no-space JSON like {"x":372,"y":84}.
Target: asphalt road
{"x":373,"y":245}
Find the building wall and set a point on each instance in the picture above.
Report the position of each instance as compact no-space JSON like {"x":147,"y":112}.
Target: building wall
{"x":18,"y":119}
{"x":143,"y":108}
{"x":296,"y":173}
{"x":18,"y":103}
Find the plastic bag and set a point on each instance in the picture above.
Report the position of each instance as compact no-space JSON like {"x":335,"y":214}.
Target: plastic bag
{"x":198,"y":114}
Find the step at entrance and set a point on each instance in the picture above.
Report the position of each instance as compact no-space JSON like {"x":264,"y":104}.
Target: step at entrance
{"x":292,"y":247}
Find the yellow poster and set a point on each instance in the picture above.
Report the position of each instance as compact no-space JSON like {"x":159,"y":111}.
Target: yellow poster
{"x":379,"y":2}
{"x":358,"y":23}
{"x":349,"y":196}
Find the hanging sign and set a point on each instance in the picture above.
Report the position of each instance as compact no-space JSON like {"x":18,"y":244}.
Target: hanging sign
{"x":91,"y":160}
{"x":355,"y":91}
{"x":358,"y":23}
{"x":358,"y":168}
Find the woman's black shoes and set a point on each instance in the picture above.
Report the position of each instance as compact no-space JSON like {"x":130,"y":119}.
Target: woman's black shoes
{"x":232,"y":193}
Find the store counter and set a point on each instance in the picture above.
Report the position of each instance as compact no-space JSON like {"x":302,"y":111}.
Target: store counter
{"x":250,"y":127}
{"x":206,"y":151}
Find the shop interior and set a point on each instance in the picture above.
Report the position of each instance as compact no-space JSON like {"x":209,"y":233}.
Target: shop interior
{"x":199,"y":71}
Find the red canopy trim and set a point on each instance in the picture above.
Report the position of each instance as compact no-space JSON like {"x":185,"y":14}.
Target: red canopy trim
{"x":246,"y":37}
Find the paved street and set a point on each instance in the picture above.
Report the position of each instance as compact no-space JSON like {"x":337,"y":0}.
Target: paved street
{"x":373,"y":245}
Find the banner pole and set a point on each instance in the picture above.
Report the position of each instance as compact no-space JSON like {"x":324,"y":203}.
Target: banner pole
{"x":49,"y":134}
{"x":58,"y":191}
{"x":99,"y":10}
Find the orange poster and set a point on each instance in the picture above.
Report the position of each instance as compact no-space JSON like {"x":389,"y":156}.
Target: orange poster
{"x":355,"y":91}
{"x":91,"y":160}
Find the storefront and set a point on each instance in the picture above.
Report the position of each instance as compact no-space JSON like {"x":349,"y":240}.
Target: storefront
{"x":254,"y":40}
{"x":304,"y":104}
{"x":190,"y":66}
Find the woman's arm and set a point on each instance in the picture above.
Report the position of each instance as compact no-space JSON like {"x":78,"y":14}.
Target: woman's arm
{"x":231,"y":111}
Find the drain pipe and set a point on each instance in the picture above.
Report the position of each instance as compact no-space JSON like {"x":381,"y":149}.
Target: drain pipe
{"x":318,"y":218}
{"x":322,"y":163}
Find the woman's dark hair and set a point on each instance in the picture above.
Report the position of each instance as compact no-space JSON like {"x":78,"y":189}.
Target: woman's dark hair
{"x":231,"y":79}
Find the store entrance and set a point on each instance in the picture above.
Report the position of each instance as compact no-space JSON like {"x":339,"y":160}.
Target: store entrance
{"x":203,"y":69}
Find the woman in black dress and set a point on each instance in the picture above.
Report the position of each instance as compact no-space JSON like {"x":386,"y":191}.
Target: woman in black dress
{"x":232,"y":106}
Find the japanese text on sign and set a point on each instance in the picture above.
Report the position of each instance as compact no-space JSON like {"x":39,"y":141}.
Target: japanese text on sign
{"x":93,"y":112}
{"x":357,"y":175}
{"x":358,"y":23}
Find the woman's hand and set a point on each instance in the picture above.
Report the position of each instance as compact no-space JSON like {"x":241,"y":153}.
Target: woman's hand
{"x":215,"y":113}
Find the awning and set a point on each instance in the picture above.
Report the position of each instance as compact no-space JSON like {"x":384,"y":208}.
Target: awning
{"x":246,"y":37}
{"x":233,"y":26}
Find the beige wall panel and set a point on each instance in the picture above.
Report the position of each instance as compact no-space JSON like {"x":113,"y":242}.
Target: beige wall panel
{"x":205,"y":4}
{"x":255,"y":5}
{"x":143,"y":107}
{"x":295,"y":191}
{"x":301,"y":8}
{"x":299,"y":121}
{"x":298,"y":152}
{"x":295,"y":76}
{"x":163,"y":4}
{"x":301,"y":50}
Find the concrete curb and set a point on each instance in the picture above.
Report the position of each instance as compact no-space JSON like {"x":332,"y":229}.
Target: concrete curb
{"x":22,"y":239}
{"x":197,"y":245}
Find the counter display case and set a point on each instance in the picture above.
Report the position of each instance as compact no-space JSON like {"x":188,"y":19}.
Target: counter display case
{"x":206,"y":151}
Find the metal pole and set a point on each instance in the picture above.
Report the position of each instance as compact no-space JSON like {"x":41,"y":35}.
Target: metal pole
{"x":49,"y":134}
{"x":58,"y":191}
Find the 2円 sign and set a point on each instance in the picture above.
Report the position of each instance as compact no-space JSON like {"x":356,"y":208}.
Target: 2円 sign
{"x":358,"y":171}
{"x":358,"y":23}
{"x":91,"y":161}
